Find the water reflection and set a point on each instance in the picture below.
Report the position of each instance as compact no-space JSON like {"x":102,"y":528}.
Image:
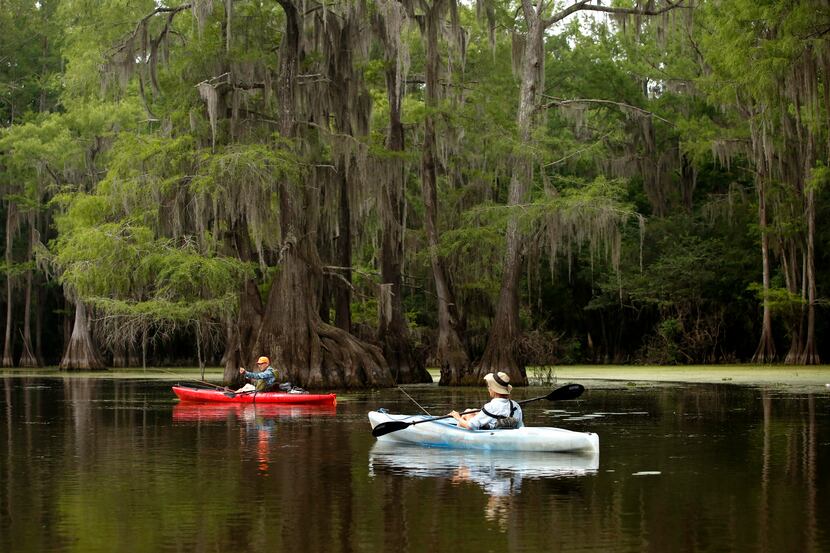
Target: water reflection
{"x":257,"y":422}
{"x":496,"y":472}
{"x":194,"y":412}
{"x":99,"y":465}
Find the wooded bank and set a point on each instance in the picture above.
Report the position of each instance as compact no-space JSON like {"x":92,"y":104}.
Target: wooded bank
{"x":360,"y":189}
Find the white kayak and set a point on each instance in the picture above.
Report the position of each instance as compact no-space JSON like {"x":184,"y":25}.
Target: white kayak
{"x":446,"y":433}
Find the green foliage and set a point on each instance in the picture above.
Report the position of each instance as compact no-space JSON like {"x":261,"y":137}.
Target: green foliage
{"x":658,"y":120}
{"x":30,"y":59}
{"x":819,"y":178}
{"x":123,"y":267}
{"x":780,"y":300}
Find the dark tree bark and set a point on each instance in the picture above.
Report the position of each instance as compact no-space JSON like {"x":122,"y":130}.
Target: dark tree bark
{"x":40,"y":303}
{"x":242,"y":333}
{"x":809,"y":355}
{"x":340,"y":69}
{"x":28,"y":357}
{"x":790,"y":269}
{"x":343,"y":248}
{"x":325,"y":301}
{"x":326,"y":250}
{"x":314,"y":354}
{"x":393,"y":332}
{"x":765,"y":353}
{"x":120,"y":359}
{"x":688,"y":182}
{"x":81,"y":353}
{"x":450,"y":352}
{"x":8,"y":348}
{"x":500,"y":352}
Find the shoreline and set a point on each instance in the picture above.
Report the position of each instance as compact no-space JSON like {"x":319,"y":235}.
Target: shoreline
{"x":780,"y":376}
{"x":785,"y":377}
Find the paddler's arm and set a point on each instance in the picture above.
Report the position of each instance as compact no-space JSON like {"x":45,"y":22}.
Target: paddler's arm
{"x":255,"y":375}
{"x":459,"y":419}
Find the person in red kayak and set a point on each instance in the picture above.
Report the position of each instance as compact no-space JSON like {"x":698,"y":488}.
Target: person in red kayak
{"x":499,"y":412}
{"x":266,"y":379}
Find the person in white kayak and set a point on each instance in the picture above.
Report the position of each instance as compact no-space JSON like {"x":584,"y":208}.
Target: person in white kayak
{"x":499,"y":412}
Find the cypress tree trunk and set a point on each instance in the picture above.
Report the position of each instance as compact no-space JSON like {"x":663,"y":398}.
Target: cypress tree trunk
{"x":8,"y":351}
{"x":119,"y":356}
{"x":452,"y":357}
{"x":40,"y":294}
{"x":788,"y":259}
{"x":500,"y":354}
{"x":81,"y":353}
{"x":28,"y":358}
{"x":314,"y":354}
{"x":765,"y":353}
{"x":809,"y":354}
{"x":326,"y":250}
{"x":325,"y":301}
{"x":343,"y":285}
{"x":242,"y":333}
{"x":351,"y":118}
{"x":40,"y":307}
{"x":393,"y":332}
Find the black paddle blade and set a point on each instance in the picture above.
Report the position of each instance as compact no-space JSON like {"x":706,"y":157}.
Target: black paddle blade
{"x":388,"y":427}
{"x":571,"y":391}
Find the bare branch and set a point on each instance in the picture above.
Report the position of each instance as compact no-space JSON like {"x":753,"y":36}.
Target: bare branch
{"x":560,"y":102}
{"x":577,"y":152}
{"x":140,"y":25}
{"x":585,"y":5}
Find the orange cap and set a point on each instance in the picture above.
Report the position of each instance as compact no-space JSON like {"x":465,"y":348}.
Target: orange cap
{"x":263,"y":360}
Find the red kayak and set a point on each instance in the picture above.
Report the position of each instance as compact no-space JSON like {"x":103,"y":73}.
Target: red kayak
{"x":191,"y":411}
{"x":218,"y":396}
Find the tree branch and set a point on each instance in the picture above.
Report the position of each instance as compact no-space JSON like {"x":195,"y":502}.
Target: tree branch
{"x":560,"y":102}
{"x":585,"y":5}
{"x":161,"y":9}
{"x":577,"y":152}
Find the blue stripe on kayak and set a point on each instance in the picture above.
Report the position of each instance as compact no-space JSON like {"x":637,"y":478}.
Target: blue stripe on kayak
{"x":475,"y":431}
{"x":453,"y":425}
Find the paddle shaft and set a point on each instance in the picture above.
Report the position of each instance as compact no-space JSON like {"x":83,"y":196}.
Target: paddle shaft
{"x":468,"y":411}
{"x":231,"y":393}
{"x":192,"y":379}
{"x":571,"y":391}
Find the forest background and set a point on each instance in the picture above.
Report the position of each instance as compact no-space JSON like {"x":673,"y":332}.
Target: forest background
{"x":364,"y":188}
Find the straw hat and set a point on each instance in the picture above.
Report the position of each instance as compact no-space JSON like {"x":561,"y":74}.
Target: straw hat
{"x":499,"y":383}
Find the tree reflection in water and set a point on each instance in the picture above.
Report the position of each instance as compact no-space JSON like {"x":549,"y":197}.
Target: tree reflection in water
{"x":498,"y":474}
{"x":91,"y":464}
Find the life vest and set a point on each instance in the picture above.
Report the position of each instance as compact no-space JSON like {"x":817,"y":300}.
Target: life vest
{"x":262,"y":384}
{"x":504,"y":421}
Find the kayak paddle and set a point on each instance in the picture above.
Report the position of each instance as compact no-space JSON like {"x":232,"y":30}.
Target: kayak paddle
{"x":571,"y":391}
{"x":232,"y":394}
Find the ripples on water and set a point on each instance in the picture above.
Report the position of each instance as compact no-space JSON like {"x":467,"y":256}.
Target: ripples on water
{"x":117,"y":465}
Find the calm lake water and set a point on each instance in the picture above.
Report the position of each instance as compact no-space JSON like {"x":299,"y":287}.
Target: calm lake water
{"x":103,"y":464}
